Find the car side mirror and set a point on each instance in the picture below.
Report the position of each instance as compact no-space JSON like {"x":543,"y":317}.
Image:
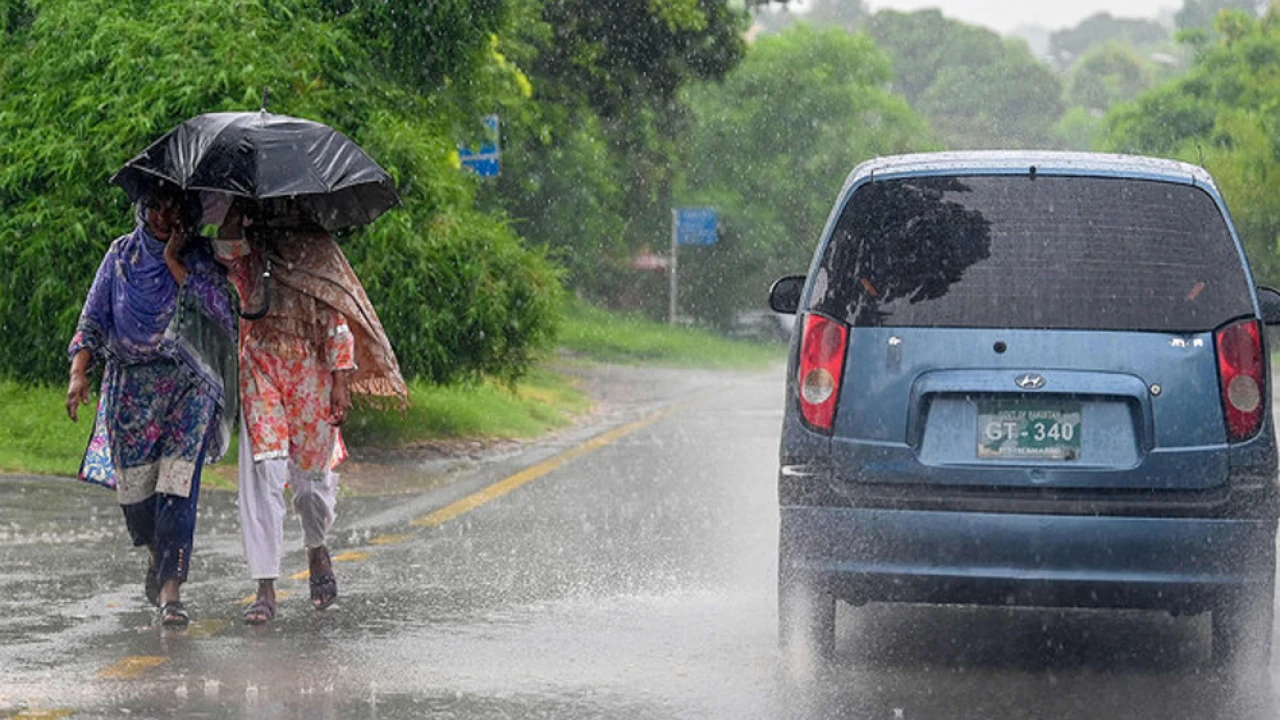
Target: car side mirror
{"x":1269,"y":299}
{"x":784,"y":296}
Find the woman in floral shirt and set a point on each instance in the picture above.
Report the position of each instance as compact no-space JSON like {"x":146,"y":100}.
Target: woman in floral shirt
{"x":316,"y":341}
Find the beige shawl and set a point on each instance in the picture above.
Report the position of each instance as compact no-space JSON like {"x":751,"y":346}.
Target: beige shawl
{"x":311,"y":263}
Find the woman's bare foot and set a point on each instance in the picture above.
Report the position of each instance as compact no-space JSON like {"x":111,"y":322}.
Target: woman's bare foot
{"x":170,"y":592}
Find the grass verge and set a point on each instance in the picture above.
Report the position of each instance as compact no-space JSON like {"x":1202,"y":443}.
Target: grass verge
{"x":544,"y":400}
{"x":35,"y":434}
{"x":608,"y":337}
{"x":37,"y":438}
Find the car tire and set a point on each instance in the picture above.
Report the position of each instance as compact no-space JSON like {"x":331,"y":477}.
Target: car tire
{"x":1242,"y":628}
{"x":806,"y":617}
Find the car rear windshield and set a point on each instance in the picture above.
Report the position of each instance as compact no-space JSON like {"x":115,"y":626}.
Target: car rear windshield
{"x":1018,"y":251}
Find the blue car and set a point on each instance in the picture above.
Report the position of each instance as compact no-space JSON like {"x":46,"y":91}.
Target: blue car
{"x":1035,"y":379}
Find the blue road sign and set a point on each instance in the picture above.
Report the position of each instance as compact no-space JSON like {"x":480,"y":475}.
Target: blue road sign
{"x":486,"y":161}
{"x":696,"y":226}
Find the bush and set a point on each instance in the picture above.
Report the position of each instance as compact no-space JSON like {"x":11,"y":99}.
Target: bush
{"x":86,"y":84}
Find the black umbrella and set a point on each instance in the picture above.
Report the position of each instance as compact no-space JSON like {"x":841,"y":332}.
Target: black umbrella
{"x":265,"y":156}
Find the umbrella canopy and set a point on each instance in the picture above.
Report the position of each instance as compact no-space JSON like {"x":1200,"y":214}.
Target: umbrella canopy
{"x":263,"y":156}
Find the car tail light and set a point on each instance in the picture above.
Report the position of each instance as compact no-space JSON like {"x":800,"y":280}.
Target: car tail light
{"x":1243,"y":378}
{"x":821,"y":367}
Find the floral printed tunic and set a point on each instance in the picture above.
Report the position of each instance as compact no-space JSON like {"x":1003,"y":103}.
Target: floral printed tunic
{"x":160,"y":406}
{"x":287,"y":361}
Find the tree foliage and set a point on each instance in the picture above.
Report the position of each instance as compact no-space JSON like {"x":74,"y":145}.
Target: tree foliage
{"x":771,"y":147}
{"x":86,"y":84}
{"x":590,"y":161}
{"x":424,"y":42}
{"x":1067,"y":46}
{"x":847,"y":14}
{"x":977,"y":89}
{"x":1203,"y":13}
{"x":617,"y":55}
{"x":1107,"y":75}
{"x":1222,"y":115}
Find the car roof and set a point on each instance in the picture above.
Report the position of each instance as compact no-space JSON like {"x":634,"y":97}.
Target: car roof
{"x":1046,"y":162}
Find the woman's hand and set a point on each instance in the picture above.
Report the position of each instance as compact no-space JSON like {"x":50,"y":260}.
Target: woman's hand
{"x":78,"y":386}
{"x":339,"y":399}
{"x":173,"y":248}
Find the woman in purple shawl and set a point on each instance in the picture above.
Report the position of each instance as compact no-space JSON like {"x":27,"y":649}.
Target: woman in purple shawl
{"x":160,"y":318}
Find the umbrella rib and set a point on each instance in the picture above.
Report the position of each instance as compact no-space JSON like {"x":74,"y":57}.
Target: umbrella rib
{"x":204,"y":154}
{"x":315,"y":169}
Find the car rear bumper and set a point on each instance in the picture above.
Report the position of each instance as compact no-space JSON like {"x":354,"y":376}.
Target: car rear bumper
{"x":1178,"y":564}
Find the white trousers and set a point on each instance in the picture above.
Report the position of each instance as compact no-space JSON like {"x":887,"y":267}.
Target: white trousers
{"x":262,"y":508}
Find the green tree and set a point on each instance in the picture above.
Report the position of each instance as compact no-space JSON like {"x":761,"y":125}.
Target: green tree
{"x":772,"y":17}
{"x":424,"y":42}
{"x":771,"y":147}
{"x":1222,"y":115}
{"x":85,"y":84}
{"x":1106,"y":75}
{"x":1203,"y":13}
{"x":590,"y":163}
{"x":923,"y":44}
{"x":1068,"y":46}
{"x":1014,"y":103}
{"x":977,"y":89}
{"x":1080,"y":129}
{"x":847,"y":14}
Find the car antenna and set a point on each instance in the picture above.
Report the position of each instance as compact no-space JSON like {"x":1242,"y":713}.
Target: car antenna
{"x":1033,"y":172}
{"x":1200,"y":151}
{"x":266,"y":92}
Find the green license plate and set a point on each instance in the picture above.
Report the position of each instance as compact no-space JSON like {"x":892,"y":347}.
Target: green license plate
{"x":1019,"y":430}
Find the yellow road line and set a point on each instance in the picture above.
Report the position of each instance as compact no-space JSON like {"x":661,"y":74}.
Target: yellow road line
{"x":502,"y":487}
{"x":41,"y":714}
{"x":133,"y":666}
{"x":207,"y":628}
{"x":389,"y":539}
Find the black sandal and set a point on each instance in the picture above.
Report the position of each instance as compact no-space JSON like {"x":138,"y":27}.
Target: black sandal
{"x":324,"y":590}
{"x":174,"y":615}
{"x":324,"y":587}
{"x":261,"y":612}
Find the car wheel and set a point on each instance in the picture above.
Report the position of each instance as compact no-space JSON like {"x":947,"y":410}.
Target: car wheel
{"x":1242,"y":628}
{"x":806,"y":617}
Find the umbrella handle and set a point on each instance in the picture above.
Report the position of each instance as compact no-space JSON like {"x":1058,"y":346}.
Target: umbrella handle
{"x":266,"y":296}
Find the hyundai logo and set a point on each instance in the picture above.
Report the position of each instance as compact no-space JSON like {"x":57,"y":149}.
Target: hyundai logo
{"x":1030,"y":381}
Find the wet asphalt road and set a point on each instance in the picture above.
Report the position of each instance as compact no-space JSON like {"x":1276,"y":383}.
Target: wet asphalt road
{"x":632,"y":580}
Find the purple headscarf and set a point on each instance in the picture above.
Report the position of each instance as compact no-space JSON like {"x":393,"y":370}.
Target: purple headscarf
{"x":140,"y":297}
{"x":134,"y":296}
